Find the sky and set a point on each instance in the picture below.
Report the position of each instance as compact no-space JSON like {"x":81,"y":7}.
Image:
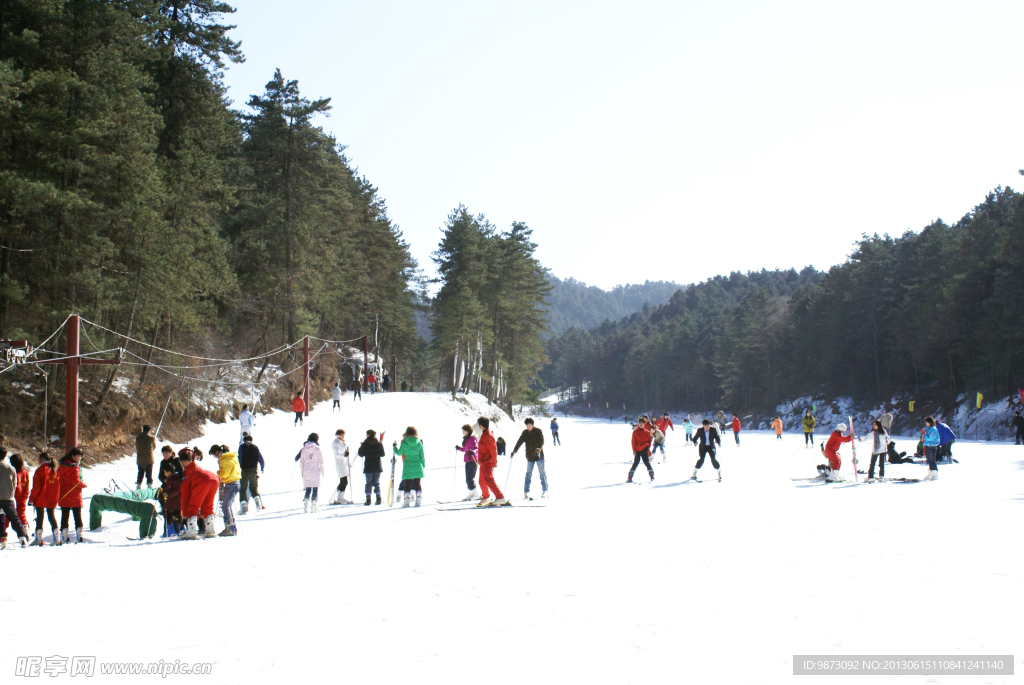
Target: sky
{"x":659,"y":140}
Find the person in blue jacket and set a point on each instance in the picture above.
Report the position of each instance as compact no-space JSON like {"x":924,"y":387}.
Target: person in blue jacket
{"x":946,"y":438}
{"x":931,"y":448}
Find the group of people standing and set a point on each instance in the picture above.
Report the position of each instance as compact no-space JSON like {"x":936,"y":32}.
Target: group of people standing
{"x":53,"y":485}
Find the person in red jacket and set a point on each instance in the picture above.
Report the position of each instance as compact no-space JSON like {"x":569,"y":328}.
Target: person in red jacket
{"x":43,"y":496}
{"x":736,"y":428}
{"x":487,"y":453}
{"x":832,"y":451}
{"x":69,"y":479}
{"x":662,"y":424}
{"x":641,"y":443}
{"x":198,"y":492}
{"x":299,"y":407}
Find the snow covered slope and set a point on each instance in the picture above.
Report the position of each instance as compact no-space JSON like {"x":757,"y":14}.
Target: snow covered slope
{"x":677,"y":581}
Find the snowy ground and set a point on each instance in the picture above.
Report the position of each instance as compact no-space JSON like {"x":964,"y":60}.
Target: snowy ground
{"x":701,"y":582}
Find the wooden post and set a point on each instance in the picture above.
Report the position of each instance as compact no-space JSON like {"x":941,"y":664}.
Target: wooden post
{"x":305,"y":380}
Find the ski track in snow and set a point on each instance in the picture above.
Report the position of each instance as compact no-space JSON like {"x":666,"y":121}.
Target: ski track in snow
{"x":703,"y":582}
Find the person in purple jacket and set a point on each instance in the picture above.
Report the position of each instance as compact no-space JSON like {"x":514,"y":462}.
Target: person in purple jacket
{"x":468,"y":448}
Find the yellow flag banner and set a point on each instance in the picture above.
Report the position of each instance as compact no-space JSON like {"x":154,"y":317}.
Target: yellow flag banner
{"x":979,"y":400}
{"x":911,"y":406}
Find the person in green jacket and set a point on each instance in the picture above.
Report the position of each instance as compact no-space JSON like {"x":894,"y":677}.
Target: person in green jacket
{"x":411,"y":451}
{"x":808,"y":424}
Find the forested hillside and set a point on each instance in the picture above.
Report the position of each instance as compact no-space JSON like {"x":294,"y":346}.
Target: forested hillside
{"x":573,"y":303}
{"x":938,"y":313}
{"x":131,"y":192}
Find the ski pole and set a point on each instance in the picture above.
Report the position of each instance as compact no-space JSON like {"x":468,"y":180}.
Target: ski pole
{"x":509,"y":470}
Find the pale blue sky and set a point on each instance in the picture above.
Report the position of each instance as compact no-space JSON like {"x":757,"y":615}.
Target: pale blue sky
{"x":776,"y":131}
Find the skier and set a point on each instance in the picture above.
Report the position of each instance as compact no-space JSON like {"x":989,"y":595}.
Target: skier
{"x":145,"y":444}
{"x":488,"y":460}
{"x":533,"y":438}
{"x":1017,"y":423}
{"x":230,"y":474}
{"x":21,"y":491}
{"x":340,"y":450}
{"x":8,"y":488}
{"x":554,"y":433}
{"x":198,"y":492}
{"x":246,"y":422}
{"x":170,"y":495}
{"x":661,"y":426}
{"x":357,"y":387}
{"x":469,"y":449}
{"x":641,"y":444}
{"x":44,"y":494}
{"x":736,"y":428}
{"x":413,"y":463}
{"x":371,"y":451}
{"x":931,"y":448}
{"x":70,"y":501}
{"x":298,"y":406}
{"x":946,"y":440}
{"x":311,"y":464}
{"x":879,"y":448}
{"x":249,"y":458}
{"x":808,"y":423}
{"x":832,"y":451}
{"x":657,"y":439}
{"x":371,"y":383}
{"x":705,"y":439}
{"x":167,"y":455}
{"x":897,"y":457}
{"x":336,"y":396}
{"x":386,"y":381}
{"x":777,"y":425}
{"x":688,"y":425}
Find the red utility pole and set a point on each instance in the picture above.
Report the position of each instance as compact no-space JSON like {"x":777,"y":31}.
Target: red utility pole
{"x":71,"y":363}
{"x":305,"y":381}
{"x":366,"y":357}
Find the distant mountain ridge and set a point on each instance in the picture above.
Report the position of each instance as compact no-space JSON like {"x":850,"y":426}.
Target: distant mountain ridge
{"x":574,"y":303}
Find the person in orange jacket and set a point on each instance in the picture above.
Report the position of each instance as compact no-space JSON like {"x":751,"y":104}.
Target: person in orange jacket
{"x":43,"y":496}
{"x":299,"y":407}
{"x":198,"y":492}
{"x":69,"y":477}
{"x":777,"y":425}
{"x":736,"y":428}
{"x":641,"y":444}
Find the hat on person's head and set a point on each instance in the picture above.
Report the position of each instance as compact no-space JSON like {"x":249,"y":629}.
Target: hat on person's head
{"x":841,"y":428}
{"x":313,"y":437}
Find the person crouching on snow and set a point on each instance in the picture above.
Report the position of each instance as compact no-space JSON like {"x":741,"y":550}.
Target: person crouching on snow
{"x":198,"y":492}
{"x":413,"y":463}
{"x":832,"y":451}
{"x":170,"y":495}
{"x":468,"y":449}
{"x":311,"y":464}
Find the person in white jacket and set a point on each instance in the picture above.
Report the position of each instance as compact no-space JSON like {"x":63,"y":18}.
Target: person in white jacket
{"x":246,"y":421}
{"x":341,"y":463}
{"x":336,"y":396}
{"x":311,"y":465}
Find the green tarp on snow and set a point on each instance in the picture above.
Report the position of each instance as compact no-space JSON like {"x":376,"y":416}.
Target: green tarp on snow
{"x":133,"y":503}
